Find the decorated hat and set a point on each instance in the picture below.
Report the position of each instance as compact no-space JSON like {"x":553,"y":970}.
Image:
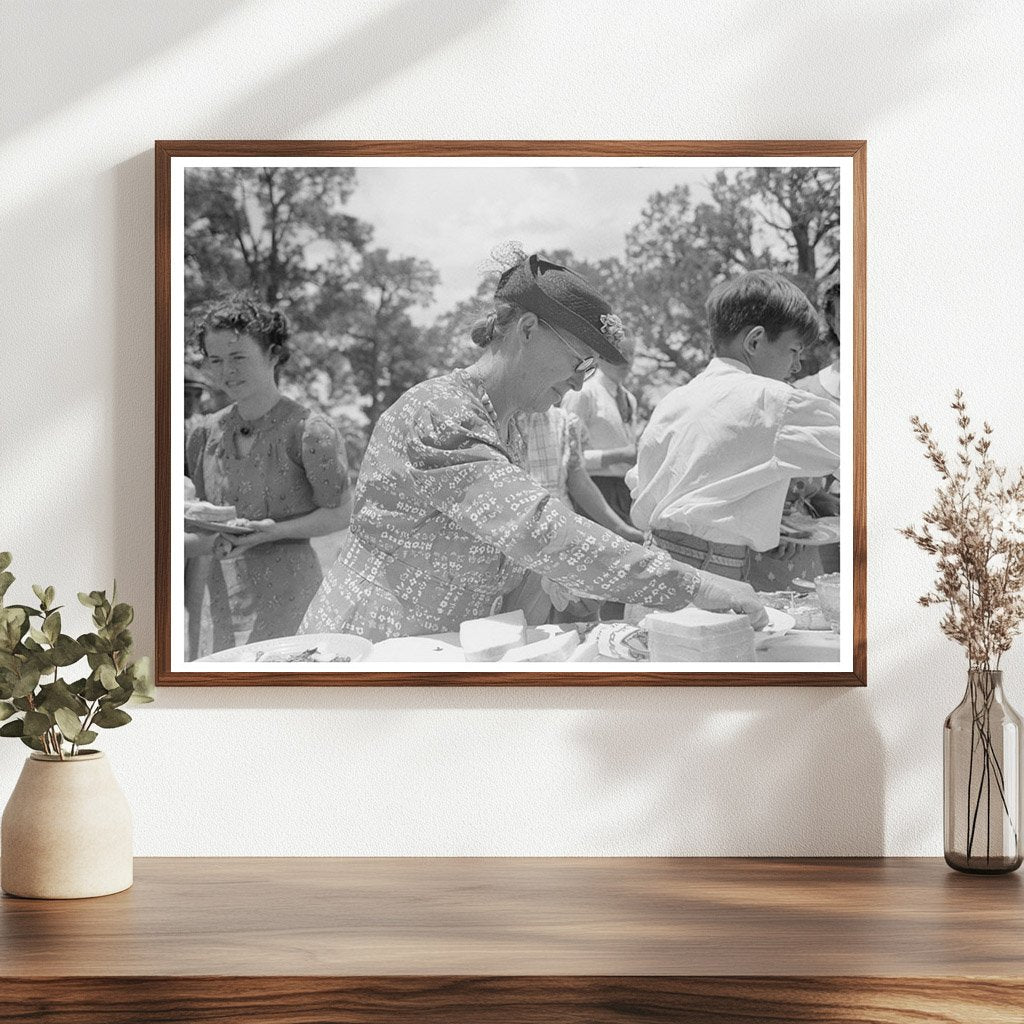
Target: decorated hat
{"x":564,"y":299}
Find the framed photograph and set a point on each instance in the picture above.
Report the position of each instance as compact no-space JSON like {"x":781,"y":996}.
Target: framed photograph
{"x":492,"y":413}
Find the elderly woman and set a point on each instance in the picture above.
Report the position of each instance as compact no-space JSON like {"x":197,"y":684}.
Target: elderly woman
{"x":447,"y":520}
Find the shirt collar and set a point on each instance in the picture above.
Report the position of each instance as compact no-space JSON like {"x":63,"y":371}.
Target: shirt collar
{"x":732,"y":364}
{"x":828,"y":378}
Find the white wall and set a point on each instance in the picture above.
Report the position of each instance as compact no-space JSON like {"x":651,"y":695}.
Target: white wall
{"x":937,"y":90}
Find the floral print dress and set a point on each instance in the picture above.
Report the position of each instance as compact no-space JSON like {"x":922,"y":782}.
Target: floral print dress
{"x":296,"y":464}
{"x":446,"y":521}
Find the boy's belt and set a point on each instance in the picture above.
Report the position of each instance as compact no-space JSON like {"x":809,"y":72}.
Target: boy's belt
{"x":711,"y":552}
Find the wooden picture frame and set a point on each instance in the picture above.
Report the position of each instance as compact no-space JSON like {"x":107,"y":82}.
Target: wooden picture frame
{"x":172,"y":158}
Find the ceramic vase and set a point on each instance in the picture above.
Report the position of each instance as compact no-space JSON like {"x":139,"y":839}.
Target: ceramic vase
{"x":66,"y":831}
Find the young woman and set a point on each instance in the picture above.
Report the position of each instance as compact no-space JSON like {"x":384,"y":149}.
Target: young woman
{"x":283,"y":468}
{"x":446,"y":518}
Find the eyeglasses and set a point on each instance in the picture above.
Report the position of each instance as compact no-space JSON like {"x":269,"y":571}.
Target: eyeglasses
{"x":586,"y":366}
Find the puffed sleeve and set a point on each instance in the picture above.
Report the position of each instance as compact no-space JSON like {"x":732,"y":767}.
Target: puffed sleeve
{"x":195,"y":443}
{"x":324,"y":462}
{"x":807,"y":443}
{"x":458,"y":466}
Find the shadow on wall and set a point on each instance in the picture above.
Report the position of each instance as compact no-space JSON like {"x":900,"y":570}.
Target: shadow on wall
{"x":117,"y":35}
{"x":395,"y":39}
{"x":739,"y":771}
{"x":816,"y":58}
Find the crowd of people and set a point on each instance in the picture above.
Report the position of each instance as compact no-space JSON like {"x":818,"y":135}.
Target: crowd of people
{"x":523,"y":481}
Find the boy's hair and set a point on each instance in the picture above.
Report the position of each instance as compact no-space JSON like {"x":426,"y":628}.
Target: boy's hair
{"x":760,"y":299}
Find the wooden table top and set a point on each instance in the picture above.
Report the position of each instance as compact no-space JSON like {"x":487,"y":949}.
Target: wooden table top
{"x":339,"y":917}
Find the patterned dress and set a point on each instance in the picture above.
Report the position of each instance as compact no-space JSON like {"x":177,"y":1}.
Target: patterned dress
{"x":296,"y":464}
{"x":446,"y":521}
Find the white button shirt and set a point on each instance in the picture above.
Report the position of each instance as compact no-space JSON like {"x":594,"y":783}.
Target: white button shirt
{"x":596,"y":406}
{"x":719,"y":453}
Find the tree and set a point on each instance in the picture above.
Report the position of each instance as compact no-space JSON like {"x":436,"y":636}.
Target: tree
{"x":384,"y":348}
{"x":264,"y":229}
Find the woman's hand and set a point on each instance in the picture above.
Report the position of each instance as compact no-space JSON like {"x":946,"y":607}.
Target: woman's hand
{"x":630,"y":533}
{"x":720,"y":594}
{"x":264,"y":531}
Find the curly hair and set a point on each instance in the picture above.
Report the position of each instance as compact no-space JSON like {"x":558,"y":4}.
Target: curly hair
{"x":243,"y":314}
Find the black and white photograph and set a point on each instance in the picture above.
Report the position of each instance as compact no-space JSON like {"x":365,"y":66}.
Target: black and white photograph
{"x":530,"y":414}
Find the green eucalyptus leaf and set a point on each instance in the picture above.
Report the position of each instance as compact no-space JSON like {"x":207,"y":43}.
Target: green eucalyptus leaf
{"x":50,"y":595}
{"x":141,"y":698}
{"x":13,"y":624}
{"x":122,"y":615}
{"x":22,"y":703}
{"x":31,"y":741}
{"x":15,"y":728}
{"x":6,"y":579}
{"x":35,"y":639}
{"x":27,"y":681}
{"x":89,"y":600}
{"x":69,"y":724}
{"x":9,"y":663}
{"x":94,"y":644}
{"x":107,"y":676}
{"x":94,"y":689}
{"x":29,"y":610}
{"x":86,"y":736}
{"x":40,"y":593}
{"x":59,"y":695}
{"x":66,"y":651}
{"x":111,"y":718}
{"x":115,"y":698}
{"x":51,"y":627}
{"x":142,"y":678}
{"x":5,"y":560}
{"x":6,"y":710}
{"x":36,"y":723}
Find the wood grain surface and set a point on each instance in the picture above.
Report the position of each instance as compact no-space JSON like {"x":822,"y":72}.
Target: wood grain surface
{"x":167,"y":150}
{"x":522,"y":939}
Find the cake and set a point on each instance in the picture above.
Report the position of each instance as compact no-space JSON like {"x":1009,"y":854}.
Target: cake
{"x":489,"y":638}
{"x":696,"y":635}
{"x":552,"y":648}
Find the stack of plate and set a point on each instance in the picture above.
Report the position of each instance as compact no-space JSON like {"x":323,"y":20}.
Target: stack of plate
{"x":695,"y":635}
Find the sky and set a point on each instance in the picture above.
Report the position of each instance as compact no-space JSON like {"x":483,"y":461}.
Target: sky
{"x":454,"y":216}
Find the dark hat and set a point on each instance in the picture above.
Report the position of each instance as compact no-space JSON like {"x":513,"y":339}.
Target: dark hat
{"x":563,"y":298}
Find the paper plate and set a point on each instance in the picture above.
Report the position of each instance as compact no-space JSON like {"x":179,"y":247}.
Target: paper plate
{"x":821,"y":531}
{"x":311,"y":648}
{"x":203,"y":527}
{"x":779,"y":624}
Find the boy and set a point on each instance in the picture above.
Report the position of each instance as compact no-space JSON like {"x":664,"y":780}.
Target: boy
{"x":716,"y":459}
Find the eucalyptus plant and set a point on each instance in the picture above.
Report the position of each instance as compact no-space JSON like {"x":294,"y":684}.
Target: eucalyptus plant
{"x":46,"y":712}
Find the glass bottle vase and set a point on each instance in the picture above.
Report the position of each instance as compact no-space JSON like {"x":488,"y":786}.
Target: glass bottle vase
{"x":981,"y":773}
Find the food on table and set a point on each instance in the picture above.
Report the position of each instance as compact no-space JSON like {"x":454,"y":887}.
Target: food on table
{"x":805,"y":608}
{"x":696,"y":635}
{"x":415,"y":648}
{"x":552,"y":648}
{"x":487,"y":639}
{"x":310,"y":654}
{"x":207,"y":512}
